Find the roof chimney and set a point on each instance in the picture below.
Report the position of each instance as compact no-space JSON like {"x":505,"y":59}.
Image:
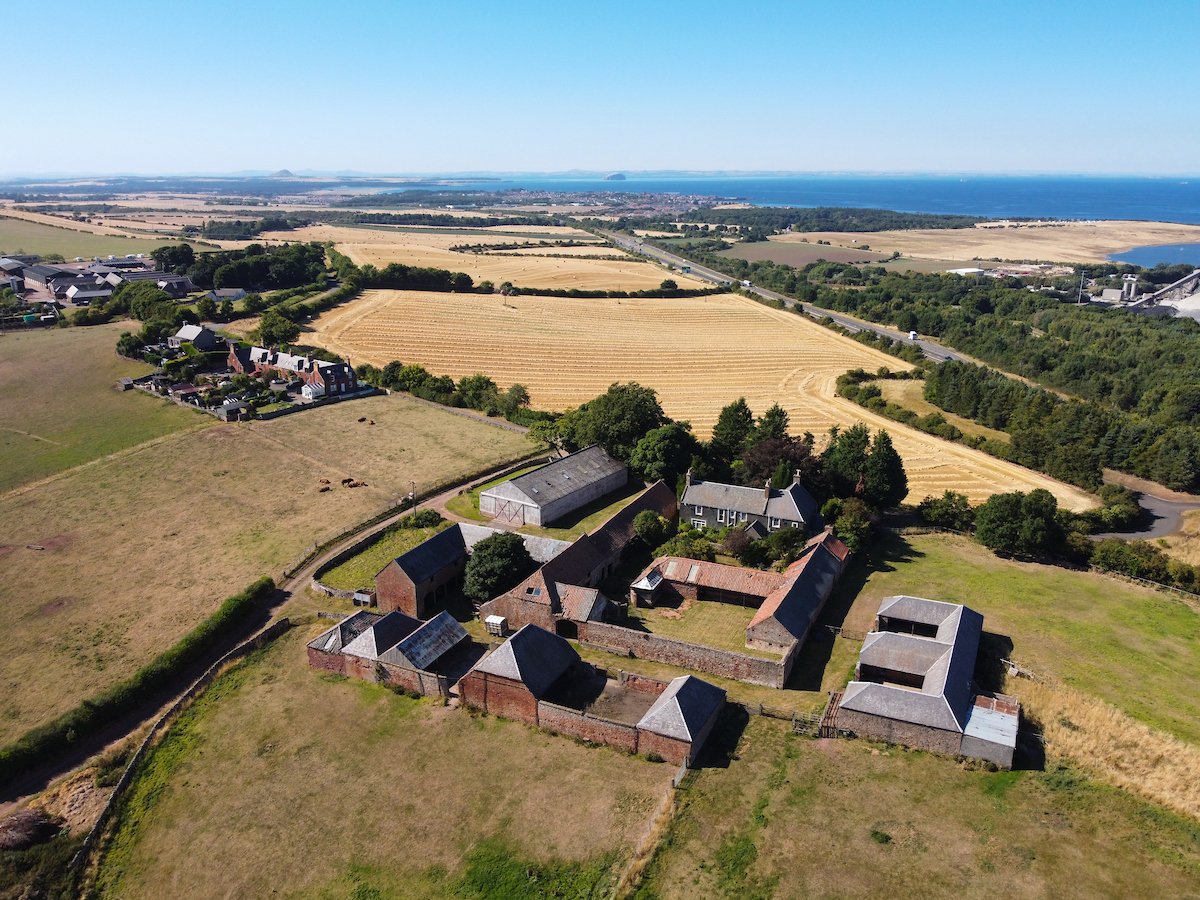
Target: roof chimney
{"x":795,"y":476}
{"x":767,"y":489}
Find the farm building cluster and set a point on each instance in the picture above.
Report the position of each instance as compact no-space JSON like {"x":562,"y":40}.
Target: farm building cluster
{"x":913,"y":684}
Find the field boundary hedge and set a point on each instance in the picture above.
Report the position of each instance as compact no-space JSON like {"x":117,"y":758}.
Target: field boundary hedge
{"x":45,"y":741}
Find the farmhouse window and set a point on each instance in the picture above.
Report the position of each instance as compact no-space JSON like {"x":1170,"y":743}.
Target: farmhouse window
{"x":721,"y":516}
{"x":698,"y":523}
{"x":699,"y":510}
{"x":741,"y":517}
{"x":775,"y":523}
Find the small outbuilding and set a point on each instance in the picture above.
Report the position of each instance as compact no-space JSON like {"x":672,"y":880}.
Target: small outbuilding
{"x":198,"y":336}
{"x":552,"y":491}
{"x":680,"y":720}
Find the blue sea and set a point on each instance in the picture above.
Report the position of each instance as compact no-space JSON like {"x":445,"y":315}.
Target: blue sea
{"x":1044,"y":196}
{"x":1170,"y":254}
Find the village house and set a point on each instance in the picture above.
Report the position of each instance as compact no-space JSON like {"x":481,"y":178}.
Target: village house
{"x":552,"y":491}
{"x":914,"y":684}
{"x":320,"y":378}
{"x":787,"y":602}
{"x":711,"y":504}
{"x":416,"y":581}
{"x":536,"y":677}
{"x":82,"y":293}
{"x":564,"y":593}
{"x":217,"y":295}
{"x":424,"y":657}
{"x":197,"y":335}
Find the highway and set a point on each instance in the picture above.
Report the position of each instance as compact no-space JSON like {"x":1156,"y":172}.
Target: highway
{"x":931,"y":349}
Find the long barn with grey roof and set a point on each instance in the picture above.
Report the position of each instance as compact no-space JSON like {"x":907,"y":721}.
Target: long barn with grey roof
{"x":914,"y":684}
{"x":552,"y":491}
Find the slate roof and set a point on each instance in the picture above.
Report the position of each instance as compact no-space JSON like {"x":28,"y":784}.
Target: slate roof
{"x":344,"y":632}
{"x":542,"y":549}
{"x":532,"y":656}
{"x":946,"y":662}
{"x":382,"y":635}
{"x":428,"y":643}
{"x":790,"y":504}
{"x":562,"y":477}
{"x":189,"y":332}
{"x":683,"y":709}
{"x":430,"y":557}
{"x":614,"y":535}
{"x":810,"y":580}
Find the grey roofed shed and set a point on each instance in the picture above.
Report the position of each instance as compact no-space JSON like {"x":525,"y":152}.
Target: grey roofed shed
{"x":428,"y":558}
{"x":555,"y":489}
{"x":684,"y":710}
{"x":428,"y":643}
{"x":532,"y":656}
{"x":565,"y":476}
{"x":382,"y":635}
{"x":345,"y":631}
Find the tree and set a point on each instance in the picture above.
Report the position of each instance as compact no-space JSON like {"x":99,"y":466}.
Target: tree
{"x":1019,"y":523}
{"x":144,"y":300}
{"x":479,"y":392}
{"x":254,"y":303}
{"x":885,"y":483}
{"x":772,"y":425}
{"x":275,"y":329}
{"x":206,"y":308}
{"x":515,"y":398}
{"x":668,"y":284}
{"x":496,"y":563}
{"x":951,"y":510}
{"x":778,"y":459}
{"x":129,"y":345}
{"x":664,"y":453}
{"x":225,"y":311}
{"x":651,"y":527}
{"x":846,"y":457}
{"x":616,"y":420}
{"x":853,"y":524}
{"x":730,"y":435}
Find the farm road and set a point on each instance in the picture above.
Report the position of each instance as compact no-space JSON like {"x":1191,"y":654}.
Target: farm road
{"x":932,"y":349}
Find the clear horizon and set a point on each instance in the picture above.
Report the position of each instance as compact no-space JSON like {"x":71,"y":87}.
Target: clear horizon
{"x":539,"y":88}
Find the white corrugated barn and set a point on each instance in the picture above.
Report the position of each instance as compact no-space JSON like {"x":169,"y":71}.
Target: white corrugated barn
{"x":546,"y":494}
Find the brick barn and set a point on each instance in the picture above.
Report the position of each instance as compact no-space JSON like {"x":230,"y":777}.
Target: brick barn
{"x":511,"y":679}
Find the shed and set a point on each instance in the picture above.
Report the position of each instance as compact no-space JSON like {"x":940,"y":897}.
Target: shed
{"x":681,"y":719}
{"x":550,"y":492}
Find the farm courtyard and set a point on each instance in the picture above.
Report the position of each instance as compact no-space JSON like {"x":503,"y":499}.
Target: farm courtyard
{"x":106,"y":565}
{"x":317,"y":785}
{"x":698,"y":353}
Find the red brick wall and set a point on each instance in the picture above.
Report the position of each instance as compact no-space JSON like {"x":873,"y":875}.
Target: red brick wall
{"x":894,"y":732}
{"x":641,"y":683}
{"x":588,"y":728}
{"x":499,"y":697}
{"x":519,"y":612}
{"x":357,"y":667}
{"x":727,"y":664}
{"x":670,"y":749}
{"x":395,"y":590}
{"x":327,"y":662}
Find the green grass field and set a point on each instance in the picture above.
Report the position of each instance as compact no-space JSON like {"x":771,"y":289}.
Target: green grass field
{"x":61,"y":408}
{"x":306,"y":784}
{"x":360,"y":570}
{"x":1133,"y":647}
{"x":712,"y":624}
{"x":794,"y":817}
{"x":21,"y":236}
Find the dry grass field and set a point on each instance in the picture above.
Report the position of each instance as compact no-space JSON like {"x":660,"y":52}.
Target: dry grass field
{"x":704,"y":622}
{"x":60,"y":406}
{"x":800,"y":254}
{"x":303,"y":784}
{"x":135,"y":548}
{"x":699,"y":354}
{"x":431,"y":248}
{"x":795,"y":817}
{"x":1048,"y":242}
{"x":1185,"y":544}
{"x":911,"y":395}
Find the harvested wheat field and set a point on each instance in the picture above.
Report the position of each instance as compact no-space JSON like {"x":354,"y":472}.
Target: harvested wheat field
{"x":400,"y":797}
{"x":105,"y":566}
{"x":699,"y":354}
{"x":380,"y":246}
{"x":1044,"y":241}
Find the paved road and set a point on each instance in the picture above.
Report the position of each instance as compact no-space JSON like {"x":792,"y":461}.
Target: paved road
{"x":1160,"y":517}
{"x":931,"y":349}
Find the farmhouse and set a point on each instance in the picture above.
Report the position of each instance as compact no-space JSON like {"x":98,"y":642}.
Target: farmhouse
{"x":550,"y":492}
{"x":230,"y":294}
{"x":80,"y":292}
{"x":711,"y":504}
{"x":320,"y":378}
{"x":537,"y":677}
{"x":197,"y":335}
{"x":426,"y":657}
{"x":563,"y":592}
{"x":913,"y":684}
{"x":788,"y":603}
{"x":414,"y":582}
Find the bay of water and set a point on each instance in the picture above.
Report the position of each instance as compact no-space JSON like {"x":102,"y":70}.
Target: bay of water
{"x":1158,"y":254}
{"x":1043,"y":196}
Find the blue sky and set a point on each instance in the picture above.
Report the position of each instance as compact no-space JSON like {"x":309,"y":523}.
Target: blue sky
{"x":418,"y":87}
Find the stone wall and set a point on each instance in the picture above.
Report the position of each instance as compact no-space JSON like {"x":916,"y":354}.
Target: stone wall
{"x":561,"y":720}
{"x":725,"y":663}
{"x":519,"y":612}
{"x":909,"y":734}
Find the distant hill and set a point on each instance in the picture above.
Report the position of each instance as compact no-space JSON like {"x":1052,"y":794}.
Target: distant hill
{"x":615,"y":176}
{"x":282,"y":173}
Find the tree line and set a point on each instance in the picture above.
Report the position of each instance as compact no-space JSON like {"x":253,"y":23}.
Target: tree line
{"x":255,"y":267}
{"x":818,"y":218}
{"x":239,"y":230}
